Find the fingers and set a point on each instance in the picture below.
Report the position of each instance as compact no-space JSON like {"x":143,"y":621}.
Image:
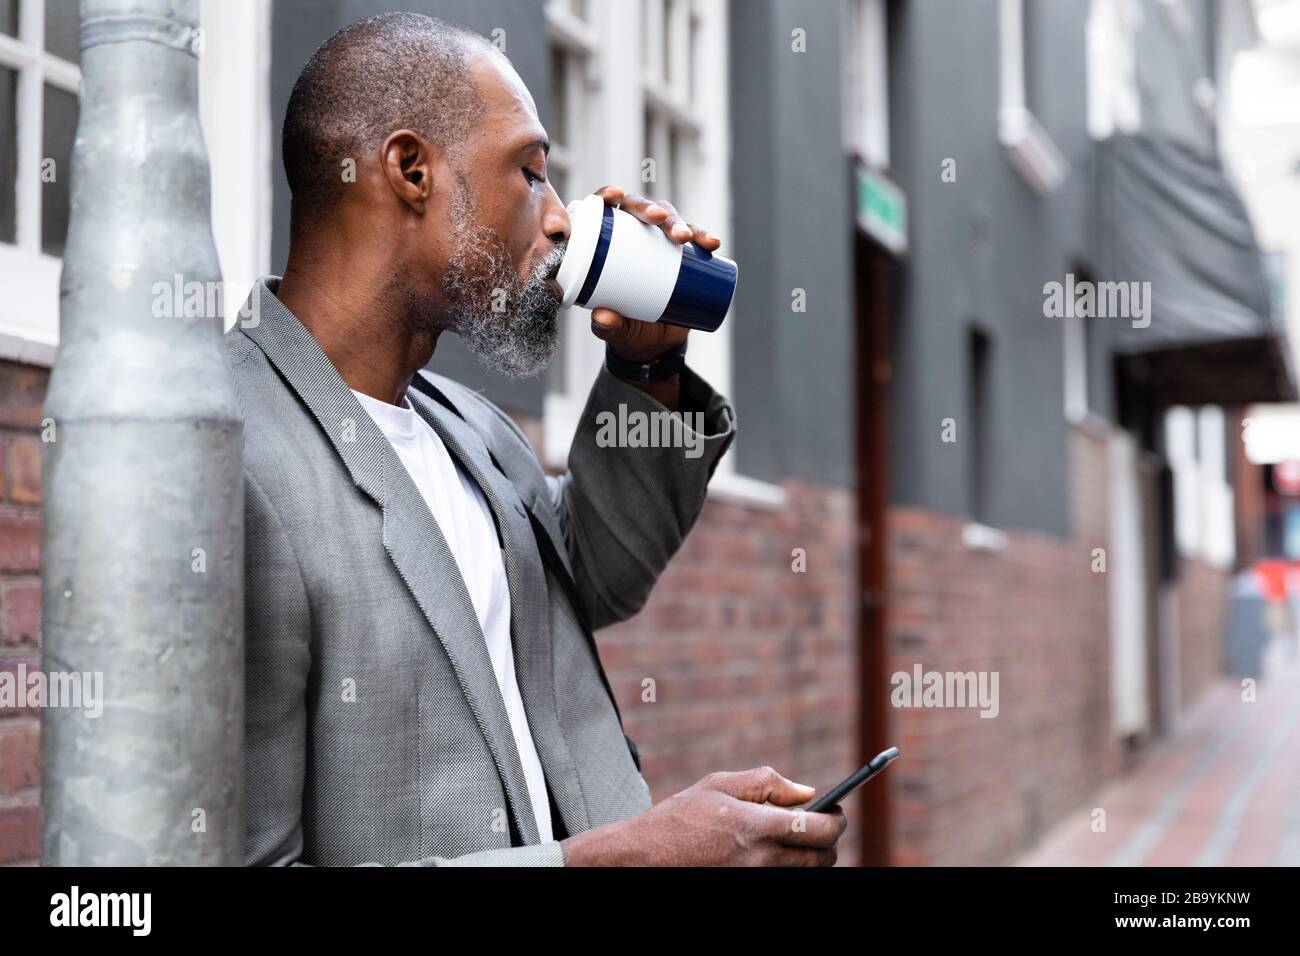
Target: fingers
{"x":760,"y":785}
{"x":802,"y":856}
{"x":606,"y":323}
{"x":801,"y":828}
{"x":661,"y":214}
{"x":611,"y":194}
{"x":704,"y":239}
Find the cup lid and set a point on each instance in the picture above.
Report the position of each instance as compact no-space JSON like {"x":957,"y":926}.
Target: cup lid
{"x":585,"y":216}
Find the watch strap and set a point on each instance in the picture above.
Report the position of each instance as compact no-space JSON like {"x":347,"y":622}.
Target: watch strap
{"x":664,"y":367}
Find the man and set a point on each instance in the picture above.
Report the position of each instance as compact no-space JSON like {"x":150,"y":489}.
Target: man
{"x":422,"y":686}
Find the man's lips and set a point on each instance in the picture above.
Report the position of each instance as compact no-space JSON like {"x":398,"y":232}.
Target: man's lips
{"x":556,"y":288}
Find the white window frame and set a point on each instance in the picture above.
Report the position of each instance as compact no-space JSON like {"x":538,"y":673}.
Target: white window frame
{"x":1204,"y":510}
{"x":1113,"y":101}
{"x":29,"y":311}
{"x":577,"y":160}
{"x":866,"y":81}
{"x":234,"y":83}
{"x":235,"y":111}
{"x":618,"y":97}
{"x":1074,"y":342}
{"x":1028,"y":145}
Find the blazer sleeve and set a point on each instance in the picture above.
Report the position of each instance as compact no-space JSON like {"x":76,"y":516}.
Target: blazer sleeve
{"x":623,"y":510}
{"x":277,"y":661}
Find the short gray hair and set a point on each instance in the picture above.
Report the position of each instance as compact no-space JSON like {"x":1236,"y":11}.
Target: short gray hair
{"x":385,"y":73}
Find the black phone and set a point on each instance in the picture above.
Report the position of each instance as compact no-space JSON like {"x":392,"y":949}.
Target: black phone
{"x":846,"y":786}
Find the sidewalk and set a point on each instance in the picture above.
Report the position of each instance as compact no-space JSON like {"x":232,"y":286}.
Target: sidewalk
{"x":1224,"y":790}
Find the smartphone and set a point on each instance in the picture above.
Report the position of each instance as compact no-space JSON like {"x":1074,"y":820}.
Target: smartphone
{"x":830,"y":800}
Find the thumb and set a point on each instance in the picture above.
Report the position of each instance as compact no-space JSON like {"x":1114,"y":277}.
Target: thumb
{"x":762,"y":785}
{"x":607,"y":324}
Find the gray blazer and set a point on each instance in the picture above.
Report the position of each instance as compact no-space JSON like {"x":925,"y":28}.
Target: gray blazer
{"x":375,"y":732}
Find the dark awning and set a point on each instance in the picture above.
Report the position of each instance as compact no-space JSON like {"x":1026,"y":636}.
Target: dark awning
{"x":1172,"y":218}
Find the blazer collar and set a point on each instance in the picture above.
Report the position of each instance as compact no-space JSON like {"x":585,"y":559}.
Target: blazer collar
{"x":298,"y":357}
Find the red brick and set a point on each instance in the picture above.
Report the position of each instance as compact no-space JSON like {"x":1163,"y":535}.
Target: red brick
{"x":20,"y":613}
{"x":1201,"y":607}
{"x":20,"y":541}
{"x":22,"y":393}
{"x":25,"y":471}
{"x":20,"y":754}
{"x":20,"y":827}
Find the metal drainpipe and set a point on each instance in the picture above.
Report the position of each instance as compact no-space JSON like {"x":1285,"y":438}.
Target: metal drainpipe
{"x":143,"y":519}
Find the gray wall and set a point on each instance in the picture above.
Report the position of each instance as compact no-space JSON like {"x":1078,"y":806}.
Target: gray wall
{"x":793,"y":229}
{"x":300,"y":26}
{"x":982,"y":248}
{"x":1168,"y":64}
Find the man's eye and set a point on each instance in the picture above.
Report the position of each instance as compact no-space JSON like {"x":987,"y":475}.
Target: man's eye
{"x":531,"y":176}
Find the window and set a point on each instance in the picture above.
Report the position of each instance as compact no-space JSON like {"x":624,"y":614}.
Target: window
{"x":866,"y":82}
{"x":672,"y":123}
{"x":1028,"y":145}
{"x":40,"y":78}
{"x":977,"y":425}
{"x":1197,"y":449}
{"x":1077,"y":335}
{"x":574,"y":45}
{"x":631,"y":83}
{"x":39,"y":81}
{"x":1113,"y":101}
{"x":1074,"y":338}
{"x":235,"y":111}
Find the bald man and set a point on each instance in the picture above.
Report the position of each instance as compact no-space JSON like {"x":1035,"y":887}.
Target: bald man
{"x":423,"y":685}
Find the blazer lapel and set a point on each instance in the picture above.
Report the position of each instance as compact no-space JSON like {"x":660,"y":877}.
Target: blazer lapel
{"x":530,"y":617}
{"x":411,"y":535}
{"x":515,"y":461}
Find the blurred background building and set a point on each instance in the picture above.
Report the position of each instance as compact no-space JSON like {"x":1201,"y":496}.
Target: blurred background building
{"x":932,"y":469}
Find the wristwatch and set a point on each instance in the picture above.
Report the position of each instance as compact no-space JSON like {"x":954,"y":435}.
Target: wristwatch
{"x":664,"y":367}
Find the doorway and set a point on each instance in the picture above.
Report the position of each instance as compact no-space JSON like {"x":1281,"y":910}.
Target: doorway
{"x":873,"y":271}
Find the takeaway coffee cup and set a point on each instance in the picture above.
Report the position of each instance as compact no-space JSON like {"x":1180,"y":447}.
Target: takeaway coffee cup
{"x":616,"y":261}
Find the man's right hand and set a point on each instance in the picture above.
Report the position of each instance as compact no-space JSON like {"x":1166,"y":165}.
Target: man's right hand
{"x":727,"y":819}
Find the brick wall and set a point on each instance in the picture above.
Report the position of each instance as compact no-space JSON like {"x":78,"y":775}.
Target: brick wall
{"x":975,"y":790}
{"x":22,"y":390}
{"x":1202,"y":596}
{"x":753,"y":663}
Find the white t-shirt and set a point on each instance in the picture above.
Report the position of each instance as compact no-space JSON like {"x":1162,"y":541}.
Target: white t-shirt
{"x":466,"y":522}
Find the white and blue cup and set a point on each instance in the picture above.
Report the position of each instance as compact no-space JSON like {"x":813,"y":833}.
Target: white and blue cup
{"x":616,"y":261}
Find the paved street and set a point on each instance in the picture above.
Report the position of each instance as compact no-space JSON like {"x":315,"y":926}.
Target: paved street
{"x":1224,"y":790}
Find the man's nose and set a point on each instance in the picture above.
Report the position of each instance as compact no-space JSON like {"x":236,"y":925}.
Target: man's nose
{"x":555,"y":218}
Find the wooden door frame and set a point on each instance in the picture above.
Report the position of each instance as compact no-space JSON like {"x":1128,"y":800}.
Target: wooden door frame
{"x":872,"y":285}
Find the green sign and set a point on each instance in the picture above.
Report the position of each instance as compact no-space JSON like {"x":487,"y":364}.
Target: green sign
{"x":882,"y":209}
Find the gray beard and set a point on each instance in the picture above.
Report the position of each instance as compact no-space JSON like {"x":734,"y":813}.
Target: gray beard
{"x":509,"y":324}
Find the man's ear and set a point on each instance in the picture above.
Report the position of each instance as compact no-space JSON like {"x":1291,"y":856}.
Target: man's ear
{"x":409,"y":163}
